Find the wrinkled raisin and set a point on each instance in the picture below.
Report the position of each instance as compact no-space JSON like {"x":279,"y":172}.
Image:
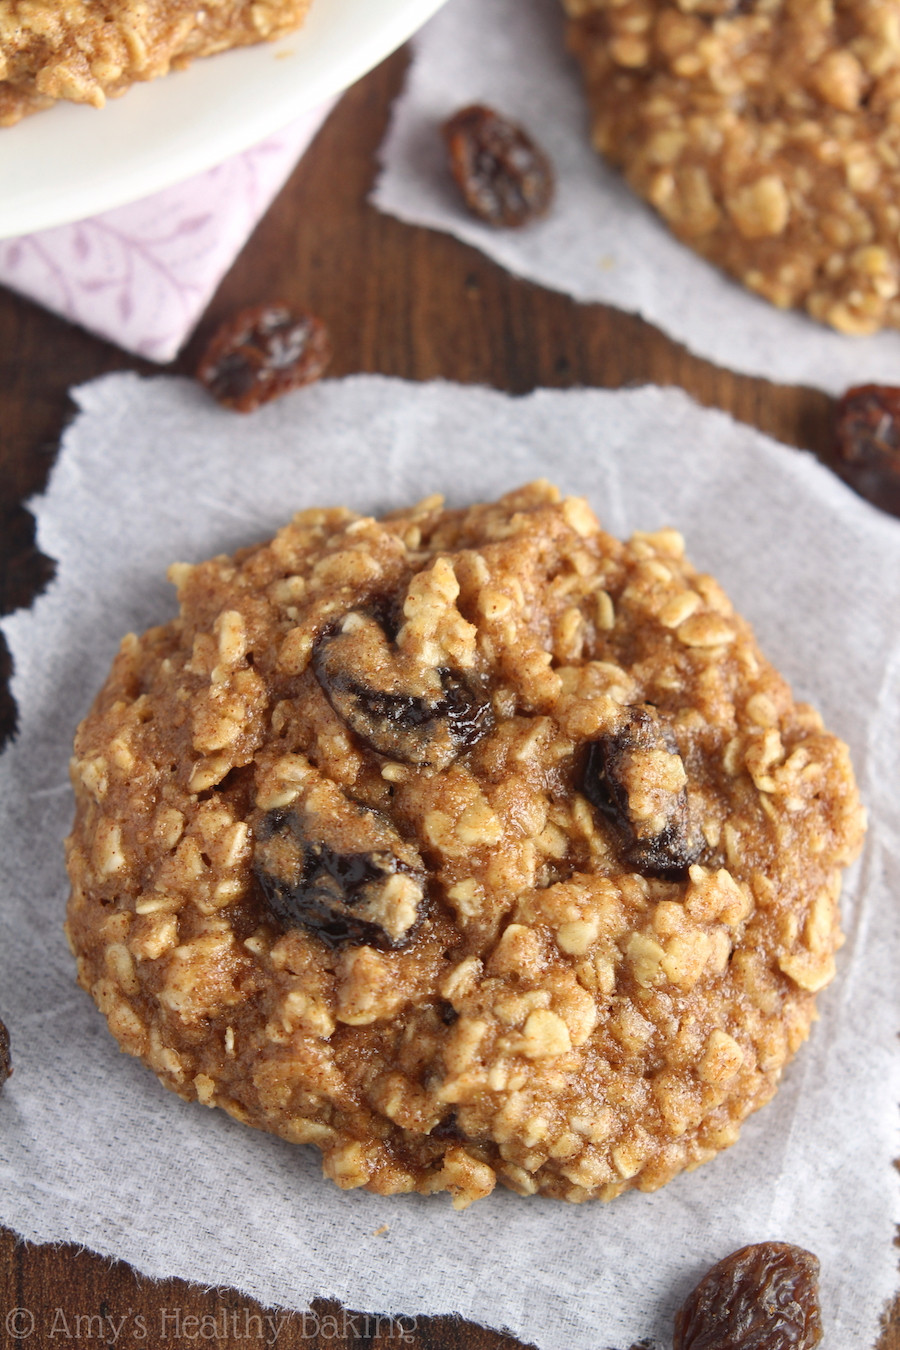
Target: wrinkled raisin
{"x":261,"y":353}
{"x":867,"y":443}
{"x":343,"y":897}
{"x":505,"y":179}
{"x":5,"y":1058}
{"x":410,"y":725}
{"x":448,"y":1128}
{"x":763,"y":1297}
{"x":403,"y":726}
{"x":623,"y":768}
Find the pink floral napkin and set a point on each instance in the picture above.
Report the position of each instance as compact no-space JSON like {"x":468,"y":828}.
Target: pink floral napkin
{"x":143,"y":274}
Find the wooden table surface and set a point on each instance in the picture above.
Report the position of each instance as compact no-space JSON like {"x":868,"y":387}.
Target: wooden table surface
{"x":401,"y":301}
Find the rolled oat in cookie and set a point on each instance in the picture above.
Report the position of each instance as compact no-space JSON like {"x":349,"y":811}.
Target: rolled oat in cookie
{"x":84,"y":51}
{"x":766,"y":133}
{"x":467,"y":845}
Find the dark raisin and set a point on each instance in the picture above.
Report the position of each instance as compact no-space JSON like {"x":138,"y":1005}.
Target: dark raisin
{"x":867,"y":443}
{"x":342,"y":897}
{"x":447,"y":1128}
{"x":5,"y":1057}
{"x":764,"y":1297}
{"x":465,"y":708}
{"x":262,"y":353}
{"x":623,"y":765}
{"x":505,"y":179}
{"x":409,"y":725}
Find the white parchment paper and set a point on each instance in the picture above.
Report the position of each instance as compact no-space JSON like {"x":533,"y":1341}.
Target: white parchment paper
{"x":600,"y":242}
{"x":93,"y":1150}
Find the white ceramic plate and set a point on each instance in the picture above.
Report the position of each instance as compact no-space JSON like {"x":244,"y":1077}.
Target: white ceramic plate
{"x":71,"y":162}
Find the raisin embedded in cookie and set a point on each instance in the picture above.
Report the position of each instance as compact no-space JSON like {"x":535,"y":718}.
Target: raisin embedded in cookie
{"x":765,"y":134}
{"x":467,"y":845}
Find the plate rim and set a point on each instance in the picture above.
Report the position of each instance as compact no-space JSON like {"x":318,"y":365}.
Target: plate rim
{"x":121,"y":185}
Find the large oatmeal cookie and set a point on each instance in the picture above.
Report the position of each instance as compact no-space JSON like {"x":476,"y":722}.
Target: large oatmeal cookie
{"x":766,"y":133}
{"x":466,"y":845}
{"x":86,"y":51}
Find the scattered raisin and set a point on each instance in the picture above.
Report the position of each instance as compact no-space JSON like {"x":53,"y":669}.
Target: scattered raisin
{"x":763,"y":1297}
{"x":261,"y":353}
{"x":5,"y":1058}
{"x":343,"y":897}
{"x":624,"y":766}
{"x":867,"y":443}
{"x":505,"y":179}
{"x":430,"y":724}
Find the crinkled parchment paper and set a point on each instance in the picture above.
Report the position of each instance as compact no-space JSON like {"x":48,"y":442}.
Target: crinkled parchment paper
{"x":93,"y":1150}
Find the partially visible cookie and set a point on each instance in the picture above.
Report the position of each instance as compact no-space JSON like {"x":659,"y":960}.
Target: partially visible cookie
{"x":467,"y":845}
{"x":18,"y":103}
{"x":86,"y":52}
{"x":766,"y":134}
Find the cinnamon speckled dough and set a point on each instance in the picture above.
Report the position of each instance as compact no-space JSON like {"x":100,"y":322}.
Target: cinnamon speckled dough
{"x":466,"y":845}
{"x":766,"y":133}
{"x":86,"y":51}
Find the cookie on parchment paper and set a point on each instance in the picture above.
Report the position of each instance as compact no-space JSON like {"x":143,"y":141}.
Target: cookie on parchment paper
{"x":766,"y":133}
{"x":467,"y":845}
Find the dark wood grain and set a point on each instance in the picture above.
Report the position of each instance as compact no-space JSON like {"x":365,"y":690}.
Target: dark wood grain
{"x":398,"y":300}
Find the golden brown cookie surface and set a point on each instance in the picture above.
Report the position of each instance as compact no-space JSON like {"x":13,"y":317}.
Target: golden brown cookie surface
{"x":86,"y":52}
{"x":766,"y":134}
{"x":467,"y":845}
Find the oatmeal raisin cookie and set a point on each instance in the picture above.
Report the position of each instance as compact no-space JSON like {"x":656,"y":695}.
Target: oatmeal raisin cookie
{"x":467,"y":845}
{"x":766,"y":133}
{"x":86,"y":51}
